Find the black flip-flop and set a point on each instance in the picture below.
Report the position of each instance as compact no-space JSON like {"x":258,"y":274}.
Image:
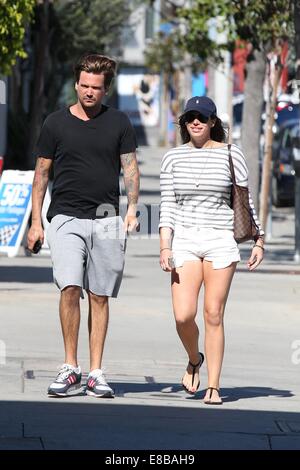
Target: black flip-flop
{"x":194,"y":369}
{"x":209,"y":401}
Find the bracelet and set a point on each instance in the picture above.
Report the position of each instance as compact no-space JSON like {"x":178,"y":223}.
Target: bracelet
{"x":162,"y":249}
{"x":259,"y":246}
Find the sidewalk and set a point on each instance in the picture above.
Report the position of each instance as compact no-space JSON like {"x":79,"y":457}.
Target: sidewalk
{"x":145,"y":361}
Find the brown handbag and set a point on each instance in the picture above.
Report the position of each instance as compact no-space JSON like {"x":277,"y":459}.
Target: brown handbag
{"x":244,"y":225}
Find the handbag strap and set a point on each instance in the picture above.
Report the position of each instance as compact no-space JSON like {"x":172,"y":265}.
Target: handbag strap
{"x":231,"y":165}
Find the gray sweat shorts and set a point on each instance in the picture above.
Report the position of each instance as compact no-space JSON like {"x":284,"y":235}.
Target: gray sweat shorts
{"x":88,"y":253}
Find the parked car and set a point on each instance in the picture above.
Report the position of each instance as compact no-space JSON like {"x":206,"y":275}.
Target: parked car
{"x":286,"y":110}
{"x":283,"y":173}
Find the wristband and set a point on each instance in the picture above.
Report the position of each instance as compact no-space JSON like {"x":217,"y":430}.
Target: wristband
{"x":259,"y":246}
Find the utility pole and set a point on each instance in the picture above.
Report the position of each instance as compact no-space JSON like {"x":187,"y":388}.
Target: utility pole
{"x":271,"y":104}
{"x":3,"y":116}
{"x":230,"y":95}
{"x":296,"y":158}
{"x":164,"y":109}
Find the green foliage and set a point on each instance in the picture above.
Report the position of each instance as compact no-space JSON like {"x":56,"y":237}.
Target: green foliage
{"x":14,"y":15}
{"x":77,"y":27}
{"x":202,"y":20}
{"x":261,"y":22}
{"x":92,"y":25}
{"x":164,"y":53}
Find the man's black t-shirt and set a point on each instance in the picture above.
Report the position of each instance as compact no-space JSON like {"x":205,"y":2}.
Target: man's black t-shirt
{"x":86,"y":160}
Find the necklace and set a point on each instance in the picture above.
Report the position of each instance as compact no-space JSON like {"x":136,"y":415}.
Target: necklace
{"x":197,"y":177}
{"x":204,"y":146}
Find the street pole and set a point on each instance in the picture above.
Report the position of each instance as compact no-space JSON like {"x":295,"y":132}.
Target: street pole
{"x":164,"y":110}
{"x":3,"y":115}
{"x":269,"y":216}
{"x":296,"y":157}
{"x":297,"y":220}
{"x":230,"y":96}
{"x":267,"y":162}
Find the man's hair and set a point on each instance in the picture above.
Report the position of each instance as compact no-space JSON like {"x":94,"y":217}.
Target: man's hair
{"x":98,"y":64}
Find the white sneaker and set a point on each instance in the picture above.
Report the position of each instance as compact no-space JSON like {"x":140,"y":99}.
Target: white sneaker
{"x":97,"y":386}
{"x":68,"y":378}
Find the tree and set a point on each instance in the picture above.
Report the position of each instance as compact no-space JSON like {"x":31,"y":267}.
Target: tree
{"x":14,"y":16}
{"x":297,"y":40}
{"x":166,"y":57}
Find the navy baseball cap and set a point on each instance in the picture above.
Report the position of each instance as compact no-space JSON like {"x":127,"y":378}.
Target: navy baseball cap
{"x":202,"y":104}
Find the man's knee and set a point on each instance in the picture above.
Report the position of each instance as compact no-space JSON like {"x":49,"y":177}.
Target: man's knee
{"x":98,"y":299}
{"x":71,"y":293}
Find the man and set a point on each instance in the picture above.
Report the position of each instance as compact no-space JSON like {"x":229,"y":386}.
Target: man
{"x":87,"y":144}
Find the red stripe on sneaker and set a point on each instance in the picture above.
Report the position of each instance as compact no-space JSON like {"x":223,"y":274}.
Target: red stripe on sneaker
{"x":71,"y":379}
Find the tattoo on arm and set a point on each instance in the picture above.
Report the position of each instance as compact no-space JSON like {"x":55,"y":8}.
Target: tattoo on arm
{"x":39,"y":187}
{"x":131,"y":176}
{"x":41,"y":174}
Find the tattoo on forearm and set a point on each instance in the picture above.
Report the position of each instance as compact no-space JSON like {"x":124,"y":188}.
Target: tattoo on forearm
{"x":131,"y":176}
{"x":127,"y":159}
{"x":39,"y":187}
{"x":41,"y":176}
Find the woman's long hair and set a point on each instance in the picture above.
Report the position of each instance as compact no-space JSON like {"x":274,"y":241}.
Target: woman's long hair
{"x":217,"y":133}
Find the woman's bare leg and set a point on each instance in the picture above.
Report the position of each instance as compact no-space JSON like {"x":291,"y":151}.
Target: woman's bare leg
{"x":186,"y":283}
{"x":217,"y":284}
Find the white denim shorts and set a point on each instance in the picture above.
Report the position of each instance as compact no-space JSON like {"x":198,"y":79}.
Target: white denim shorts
{"x":210,"y":244}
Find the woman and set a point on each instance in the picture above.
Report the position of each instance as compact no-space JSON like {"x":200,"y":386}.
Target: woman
{"x":196,"y":235}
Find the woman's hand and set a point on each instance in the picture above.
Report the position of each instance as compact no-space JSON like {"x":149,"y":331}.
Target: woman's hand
{"x":165,"y":254}
{"x":256,"y":257}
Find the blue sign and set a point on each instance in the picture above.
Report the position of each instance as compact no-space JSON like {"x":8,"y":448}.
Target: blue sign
{"x":15,"y":208}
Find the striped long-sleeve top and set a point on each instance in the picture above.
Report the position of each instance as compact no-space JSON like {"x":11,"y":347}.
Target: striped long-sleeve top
{"x":196,"y":187}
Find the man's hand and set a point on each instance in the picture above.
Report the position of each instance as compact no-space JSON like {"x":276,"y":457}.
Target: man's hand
{"x":35,"y":233}
{"x":131,"y":223}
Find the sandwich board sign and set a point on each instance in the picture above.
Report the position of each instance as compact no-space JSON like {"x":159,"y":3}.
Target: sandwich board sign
{"x":15,"y":208}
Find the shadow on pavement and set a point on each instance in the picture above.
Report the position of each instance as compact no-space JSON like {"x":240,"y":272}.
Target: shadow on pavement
{"x":117,"y":424}
{"x":284,"y":255}
{"x":228,"y":394}
{"x":149,"y":192}
{"x":237,"y":393}
{"x":27,"y":274}
{"x":151,"y":176}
